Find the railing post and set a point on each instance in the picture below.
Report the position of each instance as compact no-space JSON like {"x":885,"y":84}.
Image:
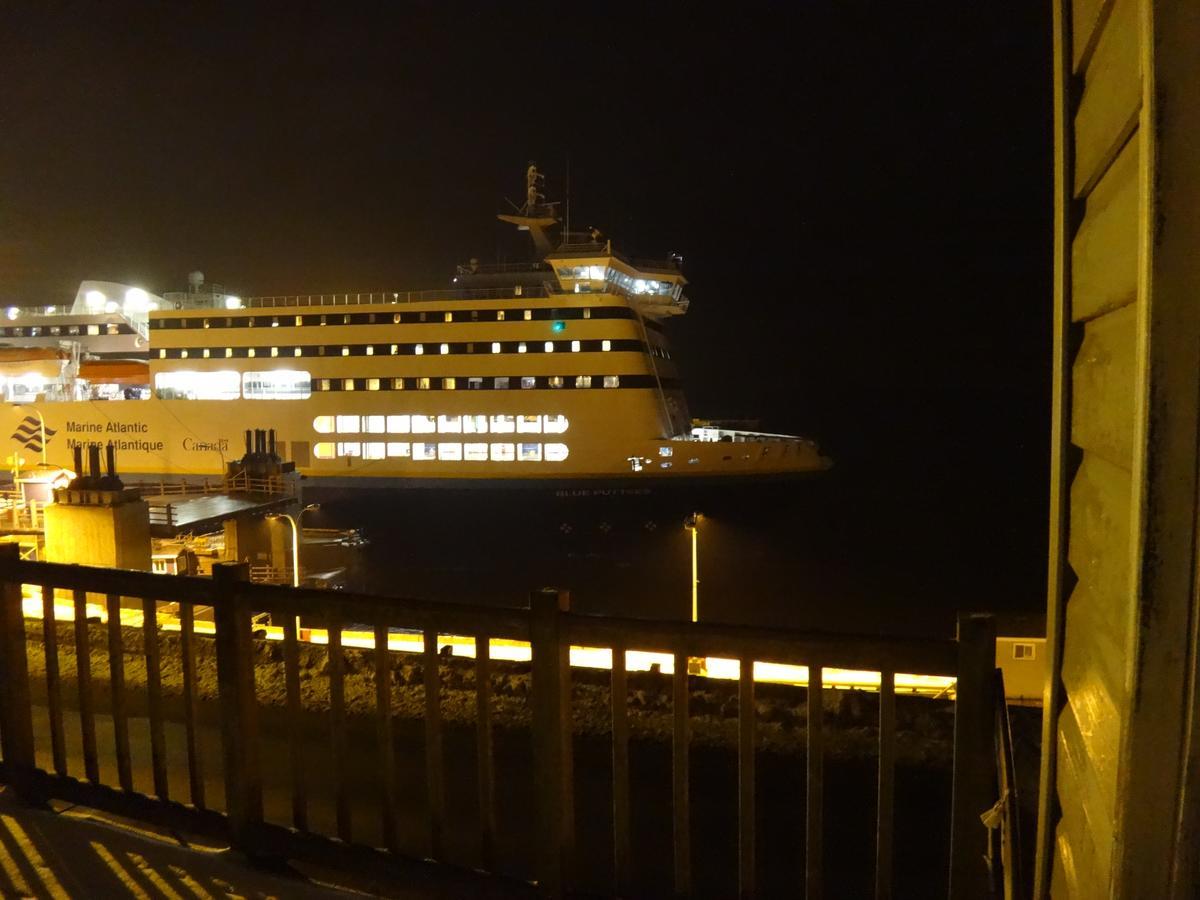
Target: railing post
{"x":16,"y":712}
{"x":239,"y":713}
{"x":552,"y":738}
{"x":974,"y":790}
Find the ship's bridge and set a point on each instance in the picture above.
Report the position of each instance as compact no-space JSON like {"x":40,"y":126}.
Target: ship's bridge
{"x":655,"y":287}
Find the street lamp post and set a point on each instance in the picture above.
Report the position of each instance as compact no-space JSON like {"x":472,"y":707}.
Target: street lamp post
{"x":294,"y":522}
{"x":692,"y":524}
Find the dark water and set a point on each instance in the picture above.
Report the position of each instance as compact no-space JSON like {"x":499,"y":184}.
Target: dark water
{"x":830,"y":552}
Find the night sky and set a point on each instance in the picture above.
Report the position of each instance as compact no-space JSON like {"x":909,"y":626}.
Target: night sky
{"x":861,"y":194}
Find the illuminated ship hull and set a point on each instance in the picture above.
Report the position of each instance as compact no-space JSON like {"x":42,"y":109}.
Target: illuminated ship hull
{"x":566,"y":387}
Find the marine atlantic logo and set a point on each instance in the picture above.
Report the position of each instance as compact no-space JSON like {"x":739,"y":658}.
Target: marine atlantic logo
{"x":29,"y":433}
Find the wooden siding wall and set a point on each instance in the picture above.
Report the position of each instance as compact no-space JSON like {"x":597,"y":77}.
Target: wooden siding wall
{"x":1106,"y":188}
{"x":1124,"y":641}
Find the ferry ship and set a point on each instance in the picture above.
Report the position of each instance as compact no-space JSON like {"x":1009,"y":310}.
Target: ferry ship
{"x":555,"y":371}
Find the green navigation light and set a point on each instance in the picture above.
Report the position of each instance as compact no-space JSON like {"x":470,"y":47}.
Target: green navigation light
{"x":558,"y":326}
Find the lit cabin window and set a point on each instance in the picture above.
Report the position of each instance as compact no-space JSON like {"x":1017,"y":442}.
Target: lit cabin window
{"x":399,"y":449}
{"x":323,"y":384}
{"x":299,"y":321}
{"x":350,"y":448}
{"x":423,"y":384}
{"x":348,"y":424}
{"x":275,"y":321}
{"x":374,"y":450}
{"x":424,"y":451}
{"x":162,"y":354}
{"x":183,"y":354}
{"x":347,"y":384}
{"x":499,"y":315}
{"x":322,"y":320}
{"x":612,"y":381}
{"x":529,"y":452}
{"x":297,"y":352}
{"x":474,"y":383}
{"x":475,"y":424}
{"x":274,"y":351}
{"x":449,"y":317}
{"x":548,"y":346}
{"x":419,"y":349}
{"x":504,"y":424}
{"x":475,"y":452}
{"x":206,"y":323}
{"x":93,"y":330}
{"x":495,"y":346}
{"x":397,"y":384}
{"x":521,"y":347}
{"x":345,"y":351}
{"x":345,"y":318}
{"x":587,"y":312}
{"x":449,"y":384}
{"x":374,"y":424}
{"x":449,"y":425}
{"x":184,"y":385}
{"x":324,"y":450}
{"x":529,"y":424}
{"x":205,"y":354}
{"x":323,"y":424}
{"x":395,"y":349}
{"x":554,"y":424}
{"x":574,"y":346}
{"x":556,"y":452}
{"x":228,"y":352}
{"x":370,"y":349}
{"x":452,"y":452}
{"x":424,"y":425}
{"x":395,"y":318}
{"x":555,"y":381}
{"x":500,"y":383}
{"x":528,"y":314}
{"x":445,"y":348}
{"x":528,"y":381}
{"x":372,"y":384}
{"x":606,"y":345}
{"x":279,"y":384}
{"x":666,"y":452}
{"x":503,"y":453}
{"x":398,"y":424}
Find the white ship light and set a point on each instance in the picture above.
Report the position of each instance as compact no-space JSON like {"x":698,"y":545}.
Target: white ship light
{"x":95,"y":300}
{"x":12,"y":313}
{"x":51,"y":310}
{"x":233,"y":302}
{"x":111,"y":306}
{"x":136,"y":300}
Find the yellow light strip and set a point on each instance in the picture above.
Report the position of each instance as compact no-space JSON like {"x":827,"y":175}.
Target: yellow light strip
{"x":520,"y":651}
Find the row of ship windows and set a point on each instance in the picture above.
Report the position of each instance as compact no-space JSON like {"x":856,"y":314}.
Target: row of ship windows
{"x":442,"y":349}
{"x":58,"y":330}
{"x":395,"y":318}
{"x":442,"y":451}
{"x":444,"y":424}
{"x":290,"y":384}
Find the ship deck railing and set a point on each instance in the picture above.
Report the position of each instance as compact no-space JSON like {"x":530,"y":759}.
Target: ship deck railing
{"x":357,"y":646}
{"x":390,"y":297}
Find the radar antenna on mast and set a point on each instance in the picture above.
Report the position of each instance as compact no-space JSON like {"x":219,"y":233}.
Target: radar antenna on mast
{"x":536,"y":215}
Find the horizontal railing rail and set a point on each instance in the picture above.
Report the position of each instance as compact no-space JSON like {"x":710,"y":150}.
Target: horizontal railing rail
{"x":390,"y":297}
{"x":378,"y":626}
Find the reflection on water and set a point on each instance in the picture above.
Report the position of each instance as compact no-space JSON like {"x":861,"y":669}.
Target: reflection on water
{"x":810,"y":553}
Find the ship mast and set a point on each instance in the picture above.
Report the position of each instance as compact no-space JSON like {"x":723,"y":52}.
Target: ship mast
{"x":535,"y":215}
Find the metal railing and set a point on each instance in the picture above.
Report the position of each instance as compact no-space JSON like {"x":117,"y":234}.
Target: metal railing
{"x":394,"y":297}
{"x":549,"y":628}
